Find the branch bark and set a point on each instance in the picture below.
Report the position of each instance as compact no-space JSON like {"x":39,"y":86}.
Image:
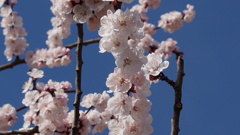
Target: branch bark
{"x":23,"y":132}
{"x":17,"y":61}
{"x":78,"y":92}
{"x":178,"y":97}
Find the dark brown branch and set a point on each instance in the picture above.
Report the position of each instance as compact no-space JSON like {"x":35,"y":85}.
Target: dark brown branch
{"x":17,"y":61}
{"x":178,"y":96}
{"x":162,"y":77}
{"x":156,"y":28}
{"x":89,"y":109}
{"x":117,"y":5}
{"x":178,"y":54}
{"x":24,"y":132}
{"x":85,"y":43}
{"x":70,"y":91}
{"x":78,"y":79}
{"x":21,"y":108}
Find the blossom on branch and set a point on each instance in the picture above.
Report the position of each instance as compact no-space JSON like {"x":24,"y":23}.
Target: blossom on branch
{"x":8,"y":116}
{"x":14,"y":33}
{"x":167,"y":47}
{"x":155,"y":65}
{"x":172,"y":21}
{"x":35,"y":73}
{"x":48,"y":57}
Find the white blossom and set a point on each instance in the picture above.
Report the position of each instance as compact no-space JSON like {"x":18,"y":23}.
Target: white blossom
{"x":120,"y":104}
{"x":189,"y":13}
{"x":130,"y":61}
{"x":171,"y":21}
{"x":35,"y":73}
{"x":155,"y":65}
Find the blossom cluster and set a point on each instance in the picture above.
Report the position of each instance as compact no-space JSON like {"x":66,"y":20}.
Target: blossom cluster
{"x":52,"y":57}
{"x":99,"y":116}
{"x":13,"y":31}
{"x":173,"y":20}
{"x":7,"y":116}
{"x":61,"y":30}
{"x":47,"y":104}
{"x":79,"y":11}
{"x":49,"y":111}
{"x":121,"y":34}
{"x":144,"y":6}
{"x":123,"y":108}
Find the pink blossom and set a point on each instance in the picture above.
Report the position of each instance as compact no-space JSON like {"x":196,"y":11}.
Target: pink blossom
{"x":189,"y":13}
{"x":155,"y":64}
{"x":171,"y":21}
{"x":120,"y":104}
{"x":7,"y":116}
{"x":118,"y":81}
{"x":167,"y":47}
{"x":150,"y":3}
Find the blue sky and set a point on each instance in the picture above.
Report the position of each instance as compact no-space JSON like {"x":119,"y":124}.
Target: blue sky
{"x":211,"y":89}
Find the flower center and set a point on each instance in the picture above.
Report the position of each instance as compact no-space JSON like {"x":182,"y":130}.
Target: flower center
{"x":127,"y":61}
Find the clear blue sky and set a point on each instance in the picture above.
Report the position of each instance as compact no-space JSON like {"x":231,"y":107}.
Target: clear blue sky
{"x":211,"y":89}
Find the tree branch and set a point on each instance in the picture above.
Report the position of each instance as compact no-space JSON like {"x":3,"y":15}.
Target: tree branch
{"x":24,"y":132}
{"x":178,"y":97}
{"x":162,"y":77}
{"x":17,"y":61}
{"x":21,"y":108}
{"x":85,"y":43}
{"x":89,"y":109}
{"x":78,"y":79}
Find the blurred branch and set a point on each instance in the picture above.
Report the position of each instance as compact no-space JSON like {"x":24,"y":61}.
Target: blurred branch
{"x":89,"y":109}
{"x":178,"y":96}
{"x":24,"y":131}
{"x":21,"y":108}
{"x":70,"y":91}
{"x":78,"y":93}
{"x":17,"y":61}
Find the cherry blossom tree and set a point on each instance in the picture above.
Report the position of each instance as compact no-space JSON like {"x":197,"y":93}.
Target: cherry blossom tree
{"x":140,"y":61}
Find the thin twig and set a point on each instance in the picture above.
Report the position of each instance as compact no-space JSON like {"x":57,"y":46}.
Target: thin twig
{"x":162,"y":77}
{"x":178,"y":97}
{"x":23,"y":132}
{"x":21,"y":108}
{"x":78,"y":79}
{"x":17,"y":61}
{"x":89,"y":109}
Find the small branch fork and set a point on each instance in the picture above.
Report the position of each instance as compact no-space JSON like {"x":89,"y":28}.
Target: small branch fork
{"x":178,"y":97}
{"x":177,"y":86}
